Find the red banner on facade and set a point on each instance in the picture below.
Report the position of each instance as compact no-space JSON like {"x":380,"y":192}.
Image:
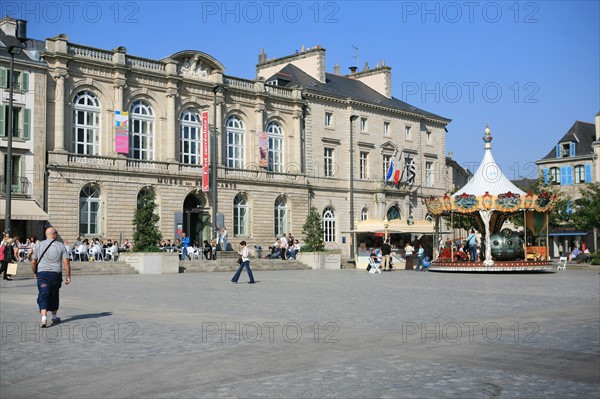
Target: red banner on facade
{"x":205,"y":151}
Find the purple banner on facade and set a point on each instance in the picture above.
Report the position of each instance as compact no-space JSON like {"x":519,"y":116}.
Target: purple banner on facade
{"x":121,"y":132}
{"x":263,"y":149}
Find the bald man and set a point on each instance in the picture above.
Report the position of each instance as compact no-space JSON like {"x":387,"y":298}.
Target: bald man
{"x":47,"y":261}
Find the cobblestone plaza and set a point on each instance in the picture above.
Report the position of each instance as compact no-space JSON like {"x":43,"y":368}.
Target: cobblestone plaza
{"x":307,"y":334}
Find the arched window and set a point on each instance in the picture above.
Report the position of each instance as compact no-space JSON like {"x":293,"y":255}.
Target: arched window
{"x":143,"y":194}
{"x":364,"y":214}
{"x":554,"y":175}
{"x":328,"y":225}
{"x":189,"y":137}
{"x":142,"y":131}
{"x":86,"y":123}
{"x":275,"y":147}
{"x":241,"y":212}
{"x":235,"y":142}
{"x":89,"y":211}
{"x":393,"y":213}
{"x":281,"y":216}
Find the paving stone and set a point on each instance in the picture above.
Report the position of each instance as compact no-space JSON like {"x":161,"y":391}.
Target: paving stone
{"x":307,"y":334}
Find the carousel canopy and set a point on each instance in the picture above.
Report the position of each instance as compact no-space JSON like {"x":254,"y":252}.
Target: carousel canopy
{"x":488,"y":177}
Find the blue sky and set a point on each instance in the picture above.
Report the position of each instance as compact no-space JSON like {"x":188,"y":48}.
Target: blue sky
{"x":530,"y":69}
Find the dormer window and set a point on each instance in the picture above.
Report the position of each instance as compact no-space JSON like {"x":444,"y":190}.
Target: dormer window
{"x":565,"y":150}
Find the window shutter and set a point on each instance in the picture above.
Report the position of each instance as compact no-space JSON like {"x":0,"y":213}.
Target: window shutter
{"x":558,"y":148}
{"x":2,"y":120}
{"x":572,"y":149}
{"x":25,"y":81}
{"x":3,"y":78}
{"x":588,"y":173}
{"x":546,"y":177}
{"x":563,"y":175}
{"x":26,"y":123}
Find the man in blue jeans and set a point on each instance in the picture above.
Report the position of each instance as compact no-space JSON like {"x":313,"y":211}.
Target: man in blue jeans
{"x":472,"y":244}
{"x":47,"y":261}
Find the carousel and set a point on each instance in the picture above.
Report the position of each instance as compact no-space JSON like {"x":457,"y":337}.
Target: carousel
{"x":491,"y":201}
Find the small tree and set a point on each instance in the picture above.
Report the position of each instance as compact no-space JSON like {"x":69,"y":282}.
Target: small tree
{"x":313,"y":232}
{"x":586,"y":215}
{"x":146,"y":235}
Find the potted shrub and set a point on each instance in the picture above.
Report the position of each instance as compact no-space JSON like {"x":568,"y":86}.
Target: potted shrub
{"x":313,"y":253}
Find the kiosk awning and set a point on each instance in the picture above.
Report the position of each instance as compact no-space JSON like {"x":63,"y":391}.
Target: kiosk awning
{"x":23,"y":209}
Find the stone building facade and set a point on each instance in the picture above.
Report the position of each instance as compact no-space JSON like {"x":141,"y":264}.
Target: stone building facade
{"x":29,"y":134}
{"x":283,"y":144}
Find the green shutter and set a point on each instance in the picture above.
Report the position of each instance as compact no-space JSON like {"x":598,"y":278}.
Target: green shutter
{"x":25,"y":81}
{"x":3,"y":78}
{"x":2,"y":120}
{"x":27,"y":124}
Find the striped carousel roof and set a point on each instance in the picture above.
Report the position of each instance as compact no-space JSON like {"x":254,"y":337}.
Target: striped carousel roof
{"x":489,"y":177}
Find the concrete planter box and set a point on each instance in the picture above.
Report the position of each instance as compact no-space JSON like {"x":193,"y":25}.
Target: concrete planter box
{"x":321,"y":260}
{"x":152,"y":262}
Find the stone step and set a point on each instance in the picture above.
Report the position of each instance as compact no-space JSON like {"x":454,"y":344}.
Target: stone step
{"x":84,"y":268}
{"x":221,"y":265}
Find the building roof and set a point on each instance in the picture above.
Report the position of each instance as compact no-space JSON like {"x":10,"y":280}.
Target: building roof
{"x":583,"y":133}
{"x":346,"y":87}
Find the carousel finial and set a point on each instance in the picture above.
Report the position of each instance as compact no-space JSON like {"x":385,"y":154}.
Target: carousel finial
{"x":487,"y":139}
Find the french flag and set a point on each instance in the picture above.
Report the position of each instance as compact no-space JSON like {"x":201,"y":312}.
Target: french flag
{"x":390,"y":171}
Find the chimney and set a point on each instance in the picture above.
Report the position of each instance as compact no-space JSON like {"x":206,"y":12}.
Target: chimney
{"x":598,"y":126}
{"x":366,"y":68}
{"x":450,"y":154}
{"x":262,"y":57}
{"x":310,"y":61}
{"x":336,"y":69}
{"x":352,"y":69}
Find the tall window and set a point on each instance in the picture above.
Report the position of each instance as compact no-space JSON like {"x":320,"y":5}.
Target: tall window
{"x":189,"y":137}
{"x":20,"y":185}
{"x":328,"y":162}
{"x":275,"y":147}
{"x":579,"y":174}
{"x":555,"y":175}
{"x":393,"y":213}
{"x":429,"y":175}
{"x":386,"y":128}
{"x":86,"y":123}
{"x":407,"y":133}
{"x":240,"y":215}
{"x":281,"y":216}
{"x":387,"y":159}
{"x":428,"y":138}
{"x":364,"y":160}
{"x":89,"y":211}
{"x":328,"y":119}
{"x":235,"y":142}
{"x":363,"y":124}
{"x":364,"y":214}
{"x":328,"y":225}
{"x":142,"y":131}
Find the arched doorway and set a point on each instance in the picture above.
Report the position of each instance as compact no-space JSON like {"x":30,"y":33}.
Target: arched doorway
{"x":196,"y":218}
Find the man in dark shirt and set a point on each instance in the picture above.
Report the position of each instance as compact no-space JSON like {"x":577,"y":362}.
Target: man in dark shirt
{"x":386,"y":251}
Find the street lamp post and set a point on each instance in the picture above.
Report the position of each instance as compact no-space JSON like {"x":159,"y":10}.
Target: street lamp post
{"x":13,"y":49}
{"x":214,"y":153}
{"x":352,"y":119}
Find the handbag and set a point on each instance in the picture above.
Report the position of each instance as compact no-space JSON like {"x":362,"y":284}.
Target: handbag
{"x":12,"y":269}
{"x":239,"y":261}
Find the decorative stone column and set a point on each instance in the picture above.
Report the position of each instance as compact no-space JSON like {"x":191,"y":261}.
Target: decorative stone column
{"x":170,"y":141}
{"x":59,"y":111}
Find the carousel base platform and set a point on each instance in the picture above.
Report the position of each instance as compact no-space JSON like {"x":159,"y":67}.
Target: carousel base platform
{"x":498,"y":267}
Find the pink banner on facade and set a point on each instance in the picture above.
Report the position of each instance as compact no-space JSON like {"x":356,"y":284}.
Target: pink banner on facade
{"x":122,"y":132}
{"x":205,"y":151}
{"x":263,"y":149}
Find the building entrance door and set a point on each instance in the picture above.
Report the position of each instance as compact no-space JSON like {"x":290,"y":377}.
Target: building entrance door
{"x":196,"y":219}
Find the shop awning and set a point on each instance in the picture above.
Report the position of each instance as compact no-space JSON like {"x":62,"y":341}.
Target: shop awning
{"x":23,"y":209}
{"x":393,"y":226}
